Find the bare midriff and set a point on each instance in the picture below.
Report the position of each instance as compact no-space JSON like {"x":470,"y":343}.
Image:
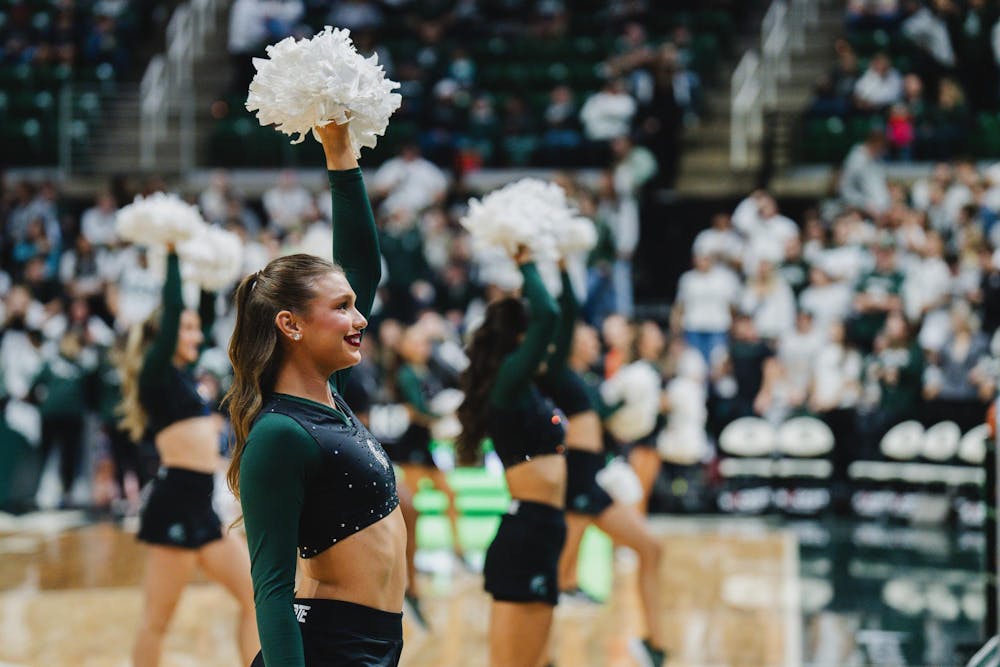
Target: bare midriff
{"x":191,"y":443}
{"x":367,"y":568}
{"x":540,"y":480}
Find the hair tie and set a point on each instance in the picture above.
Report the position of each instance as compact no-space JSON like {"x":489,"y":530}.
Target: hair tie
{"x":256,"y":277}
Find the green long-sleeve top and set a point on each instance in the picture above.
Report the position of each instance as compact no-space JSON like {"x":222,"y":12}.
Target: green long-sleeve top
{"x":521,"y":421}
{"x":571,"y":393}
{"x":518,"y":369}
{"x":280,"y":459}
{"x":170,"y":394}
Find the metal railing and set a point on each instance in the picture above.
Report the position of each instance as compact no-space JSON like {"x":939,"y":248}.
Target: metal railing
{"x":747,"y":118}
{"x":167,"y":94}
{"x":756,"y":80}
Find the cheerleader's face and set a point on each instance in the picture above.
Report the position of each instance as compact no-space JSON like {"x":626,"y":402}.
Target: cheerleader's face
{"x":189,"y":338}
{"x":331,"y":330}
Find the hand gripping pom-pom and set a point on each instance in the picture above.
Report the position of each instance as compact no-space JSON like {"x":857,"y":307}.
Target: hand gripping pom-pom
{"x":312,"y":82}
{"x":158,"y":219}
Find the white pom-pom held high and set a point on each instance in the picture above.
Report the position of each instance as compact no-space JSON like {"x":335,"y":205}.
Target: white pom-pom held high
{"x":310,"y":82}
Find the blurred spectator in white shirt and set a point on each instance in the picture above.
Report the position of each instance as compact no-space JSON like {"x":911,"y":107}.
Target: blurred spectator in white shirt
{"x":880,"y":86}
{"x":767,"y":234}
{"x":720,"y":241}
{"x":797,"y":352}
{"x":706,"y":295}
{"x":863,"y":183}
{"x":769,"y":300}
{"x":214,"y":199}
{"x":98,"y":221}
{"x":288,"y":205}
{"x":608,"y":114}
{"x":929,"y":32}
{"x":829,"y":302}
{"x":409,"y":182}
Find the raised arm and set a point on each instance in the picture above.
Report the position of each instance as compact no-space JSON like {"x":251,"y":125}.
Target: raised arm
{"x":272,"y":491}
{"x":519,"y":367}
{"x":355,"y":239}
{"x":569,"y":310}
{"x":161,"y":352}
{"x":206,"y":312}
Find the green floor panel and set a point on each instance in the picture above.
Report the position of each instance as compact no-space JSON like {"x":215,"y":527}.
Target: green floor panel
{"x":475,"y":532}
{"x":595,"y":569}
{"x":430,"y":501}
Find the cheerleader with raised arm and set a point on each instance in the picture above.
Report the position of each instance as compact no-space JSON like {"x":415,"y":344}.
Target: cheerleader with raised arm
{"x":502,"y":402}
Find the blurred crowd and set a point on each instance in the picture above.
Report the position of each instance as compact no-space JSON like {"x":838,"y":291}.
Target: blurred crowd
{"x":920,"y":70}
{"x":540,"y":83}
{"x":77,"y":34}
{"x":879,"y":305}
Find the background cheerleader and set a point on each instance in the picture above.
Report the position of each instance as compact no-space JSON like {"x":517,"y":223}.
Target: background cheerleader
{"x":650,"y":345}
{"x":177,"y":521}
{"x":502,"y":402}
{"x":586,"y":501}
{"x":416,"y":386}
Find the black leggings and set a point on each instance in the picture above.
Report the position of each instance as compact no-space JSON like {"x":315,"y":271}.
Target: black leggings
{"x":67,"y":433}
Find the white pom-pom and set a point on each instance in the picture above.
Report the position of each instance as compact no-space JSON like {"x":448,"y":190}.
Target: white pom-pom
{"x":158,"y":219}
{"x":310,"y":82}
{"x":576,"y":235}
{"x":638,"y":387}
{"x":532,"y":213}
{"x":620,"y":481}
{"x":447,"y":401}
{"x":213,"y":259}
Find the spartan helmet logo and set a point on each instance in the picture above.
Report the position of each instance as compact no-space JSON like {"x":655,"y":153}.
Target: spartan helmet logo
{"x":377,"y":453}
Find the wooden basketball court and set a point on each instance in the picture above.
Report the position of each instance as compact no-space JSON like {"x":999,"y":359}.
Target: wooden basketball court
{"x":69,"y":595}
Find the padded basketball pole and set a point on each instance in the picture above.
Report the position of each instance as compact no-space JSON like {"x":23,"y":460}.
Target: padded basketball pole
{"x":992,"y":518}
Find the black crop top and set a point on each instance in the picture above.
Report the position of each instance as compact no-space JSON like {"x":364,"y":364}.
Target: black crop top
{"x":567,"y":391}
{"x":170,"y":394}
{"x":173,"y":398}
{"x":533,"y":427}
{"x":349,"y":482}
{"x":520,"y":420}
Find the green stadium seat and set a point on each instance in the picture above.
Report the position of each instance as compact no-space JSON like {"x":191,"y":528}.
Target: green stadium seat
{"x":14,"y":77}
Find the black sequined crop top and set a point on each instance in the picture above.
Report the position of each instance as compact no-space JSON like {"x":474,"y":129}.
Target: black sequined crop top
{"x":533,"y":427}
{"x":170,"y":394}
{"x":348,"y":481}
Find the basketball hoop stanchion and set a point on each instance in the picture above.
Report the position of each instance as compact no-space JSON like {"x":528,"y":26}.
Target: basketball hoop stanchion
{"x":992,"y":517}
{"x":989,"y":654}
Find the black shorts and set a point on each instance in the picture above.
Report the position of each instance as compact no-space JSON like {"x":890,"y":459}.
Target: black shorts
{"x":177,"y":510}
{"x":583,"y":494}
{"x":522,"y":563}
{"x":343,"y":634}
